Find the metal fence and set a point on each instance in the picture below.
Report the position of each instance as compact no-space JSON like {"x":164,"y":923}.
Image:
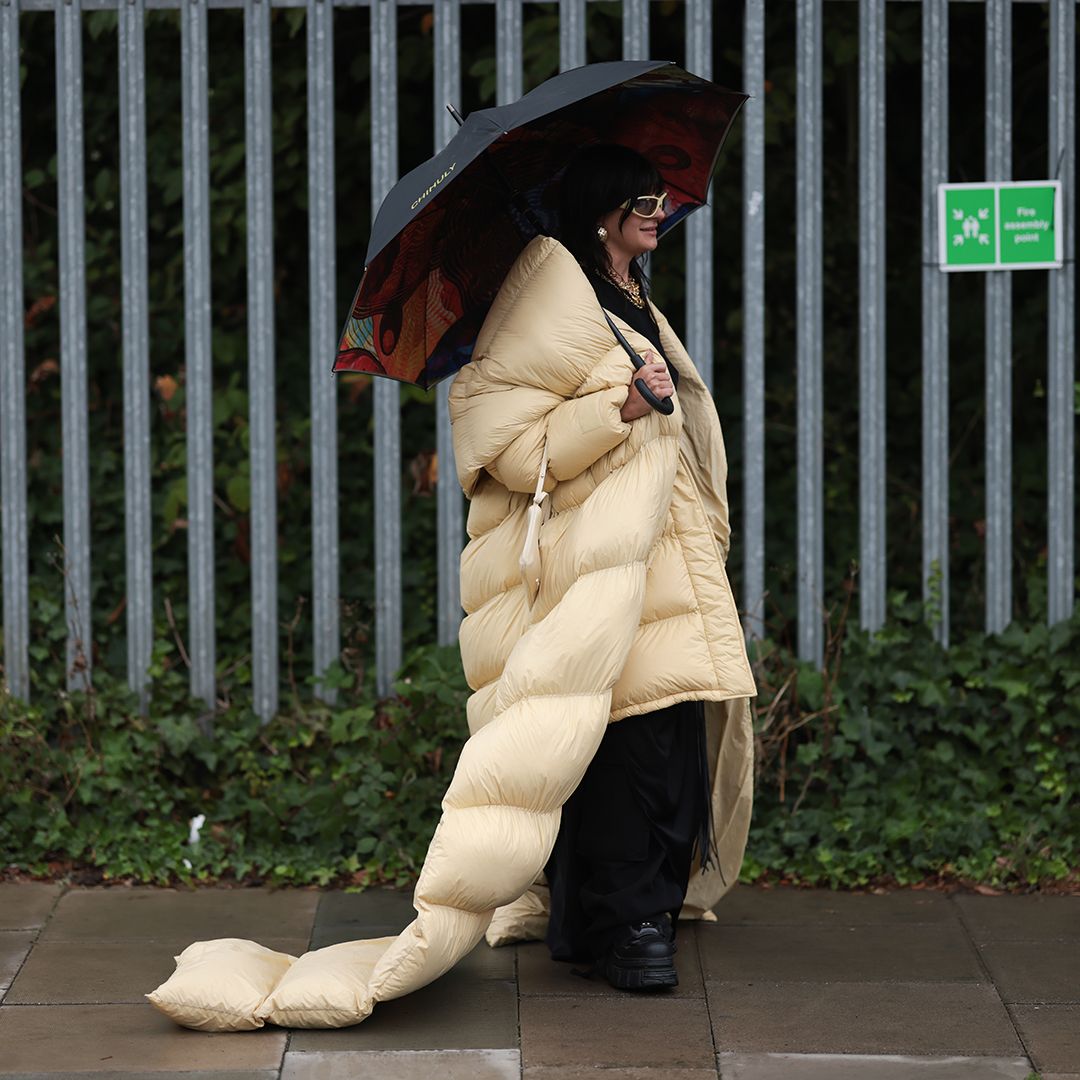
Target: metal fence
{"x":325,"y":317}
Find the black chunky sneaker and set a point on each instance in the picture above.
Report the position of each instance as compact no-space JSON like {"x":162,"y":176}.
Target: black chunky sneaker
{"x":642,"y":957}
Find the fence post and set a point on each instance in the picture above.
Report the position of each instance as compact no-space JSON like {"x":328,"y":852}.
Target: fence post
{"x":451,"y":529}
{"x":1061,"y":335}
{"x":935,"y":318}
{"x":138,"y":529}
{"x":700,"y":276}
{"x":508,"y":63}
{"x":571,"y":34}
{"x":16,"y":569}
{"x":258,"y":168}
{"x":753,"y":218}
{"x":808,"y":344}
{"x":322,"y":305}
{"x":871,"y":313}
{"x":73,"y":376}
{"x":998,"y":330}
{"x":384,"y":113}
{"x":198,"y":358}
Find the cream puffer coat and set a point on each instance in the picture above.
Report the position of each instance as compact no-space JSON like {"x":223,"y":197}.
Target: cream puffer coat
{"x":625,"y":498}
{"x":634,"y":612}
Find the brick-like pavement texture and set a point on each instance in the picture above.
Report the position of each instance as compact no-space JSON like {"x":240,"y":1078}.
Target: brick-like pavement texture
{"x":787,"y":984}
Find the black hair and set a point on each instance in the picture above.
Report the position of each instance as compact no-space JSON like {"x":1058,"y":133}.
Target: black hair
{"x":598,"y":179}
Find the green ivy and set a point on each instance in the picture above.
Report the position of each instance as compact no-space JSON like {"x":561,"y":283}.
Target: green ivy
{"x":348,"y":794}
{"x":899,"y":762}
{"x":907,"y":761}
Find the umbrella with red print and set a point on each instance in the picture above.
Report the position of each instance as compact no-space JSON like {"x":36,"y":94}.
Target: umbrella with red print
{"x":447,"y":232}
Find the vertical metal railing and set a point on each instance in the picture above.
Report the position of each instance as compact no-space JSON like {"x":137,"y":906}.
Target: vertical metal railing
{"x":448,"y":492}
{"x":871,"y":313}
{"x":508,"y":63}
{"x":571,"y":34}
{"x":700,"y":280}
{"x":73,"y":358}
{"x":259,"y":171}
{"x":198,"y":358}
{"x":384,"y":168}
{"x":808,"y":317}
{"x":322,"y":306}
{"x":635,"y":29}
{"x":698,"y":15}
{"x":998,"y":330}
{"x":138,"y":527}
{"x":1061,"y":336}
{"x":753,"y":341}
{"x":935,"y":318}
{"x":13,"y":520}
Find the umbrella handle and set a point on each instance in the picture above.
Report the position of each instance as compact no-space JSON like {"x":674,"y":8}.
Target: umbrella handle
{"x":661,"y":405}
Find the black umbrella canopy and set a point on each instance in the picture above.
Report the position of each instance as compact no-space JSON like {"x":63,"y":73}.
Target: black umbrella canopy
{"x":447,"y":232}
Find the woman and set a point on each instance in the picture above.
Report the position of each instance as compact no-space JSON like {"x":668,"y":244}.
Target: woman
{"x":548,"y":382}
{"x":586,"y":750}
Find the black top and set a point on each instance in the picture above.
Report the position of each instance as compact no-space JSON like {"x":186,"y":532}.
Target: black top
{"x":641,"y":319}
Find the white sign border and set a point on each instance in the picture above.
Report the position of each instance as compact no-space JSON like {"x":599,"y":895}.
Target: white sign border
{"x":997,"y":264}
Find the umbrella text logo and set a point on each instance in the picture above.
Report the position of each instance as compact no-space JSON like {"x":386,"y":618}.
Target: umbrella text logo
{"x":434,"y":187}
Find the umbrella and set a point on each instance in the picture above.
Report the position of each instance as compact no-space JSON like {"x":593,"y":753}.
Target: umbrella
{"x":448,"y":231}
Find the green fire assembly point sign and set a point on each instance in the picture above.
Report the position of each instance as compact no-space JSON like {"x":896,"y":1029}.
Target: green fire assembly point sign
{"x":1006,"y":225}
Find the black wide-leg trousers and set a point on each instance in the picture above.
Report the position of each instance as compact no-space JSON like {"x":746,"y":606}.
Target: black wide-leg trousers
{"x":629,"y":832}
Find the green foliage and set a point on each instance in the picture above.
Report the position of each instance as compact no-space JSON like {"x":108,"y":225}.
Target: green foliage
{"x":348,"y":794}
{"x":900,"y":762}
{"x":907,"y":761}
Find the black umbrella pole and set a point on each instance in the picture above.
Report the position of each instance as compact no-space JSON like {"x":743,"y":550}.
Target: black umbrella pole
{"x":515,"y":196}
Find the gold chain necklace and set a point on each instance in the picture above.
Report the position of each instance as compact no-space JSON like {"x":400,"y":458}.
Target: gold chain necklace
{"x":630,"y":288}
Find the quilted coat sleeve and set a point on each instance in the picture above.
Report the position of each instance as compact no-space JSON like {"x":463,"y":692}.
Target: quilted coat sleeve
{"x":579,"y":431}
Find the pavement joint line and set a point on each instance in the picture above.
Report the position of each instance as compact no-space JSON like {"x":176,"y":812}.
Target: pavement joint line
{"x":708,"y":1007}
{"x":37,"y":931}
{"x":990,"y":978}
{"x":517,"y":1016}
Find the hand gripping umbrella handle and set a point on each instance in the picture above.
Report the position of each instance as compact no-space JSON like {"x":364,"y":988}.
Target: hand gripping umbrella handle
{"x":661,"y":405}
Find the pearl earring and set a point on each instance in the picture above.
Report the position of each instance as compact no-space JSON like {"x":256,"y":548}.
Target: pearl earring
{"x":602,"y":233}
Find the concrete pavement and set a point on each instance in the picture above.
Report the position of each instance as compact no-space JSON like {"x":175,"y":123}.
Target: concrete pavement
{"x":787,"y":985}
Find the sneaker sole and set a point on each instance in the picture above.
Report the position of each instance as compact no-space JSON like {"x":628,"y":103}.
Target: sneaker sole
{"x":641,"y":974}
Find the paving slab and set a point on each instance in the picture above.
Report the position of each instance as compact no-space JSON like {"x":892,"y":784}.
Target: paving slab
{"x":747,"y":904}
{"x":1035,"y":971}
{"x":149,"y":914}
{"x":538,"y":974}
{"x":1020,"y":918}
{"x":869,"y":1067}
{"x":104,"y":1074}
{"x":403,"y":1065}
{"x":483,"y":962}
{"x":371,"y":908}
{"x":25,"y":905}
{"x":451,"y":1014}
{"x":123,"y":1039}
{"x":653,"y":1031}
{"x":94,"y":972}
{"x":921,"y":1018}
{"x":622,"y":1072}
{"x":1051,"y":1034}
{"x":14,"y":947}
{"x":837,"y":953}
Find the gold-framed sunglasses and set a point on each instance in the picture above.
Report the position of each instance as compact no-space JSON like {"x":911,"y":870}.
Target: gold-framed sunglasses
{"x":646,"y":206}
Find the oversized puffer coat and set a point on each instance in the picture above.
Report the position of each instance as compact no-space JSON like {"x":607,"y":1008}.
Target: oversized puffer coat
{"x":638,"y":508}
{"x":634,"y":612}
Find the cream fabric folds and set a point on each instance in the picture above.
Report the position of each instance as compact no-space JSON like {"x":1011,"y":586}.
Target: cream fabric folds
{"x":544,"y":332}
{"x":544,"y":677}
{"x":221,"y":985}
